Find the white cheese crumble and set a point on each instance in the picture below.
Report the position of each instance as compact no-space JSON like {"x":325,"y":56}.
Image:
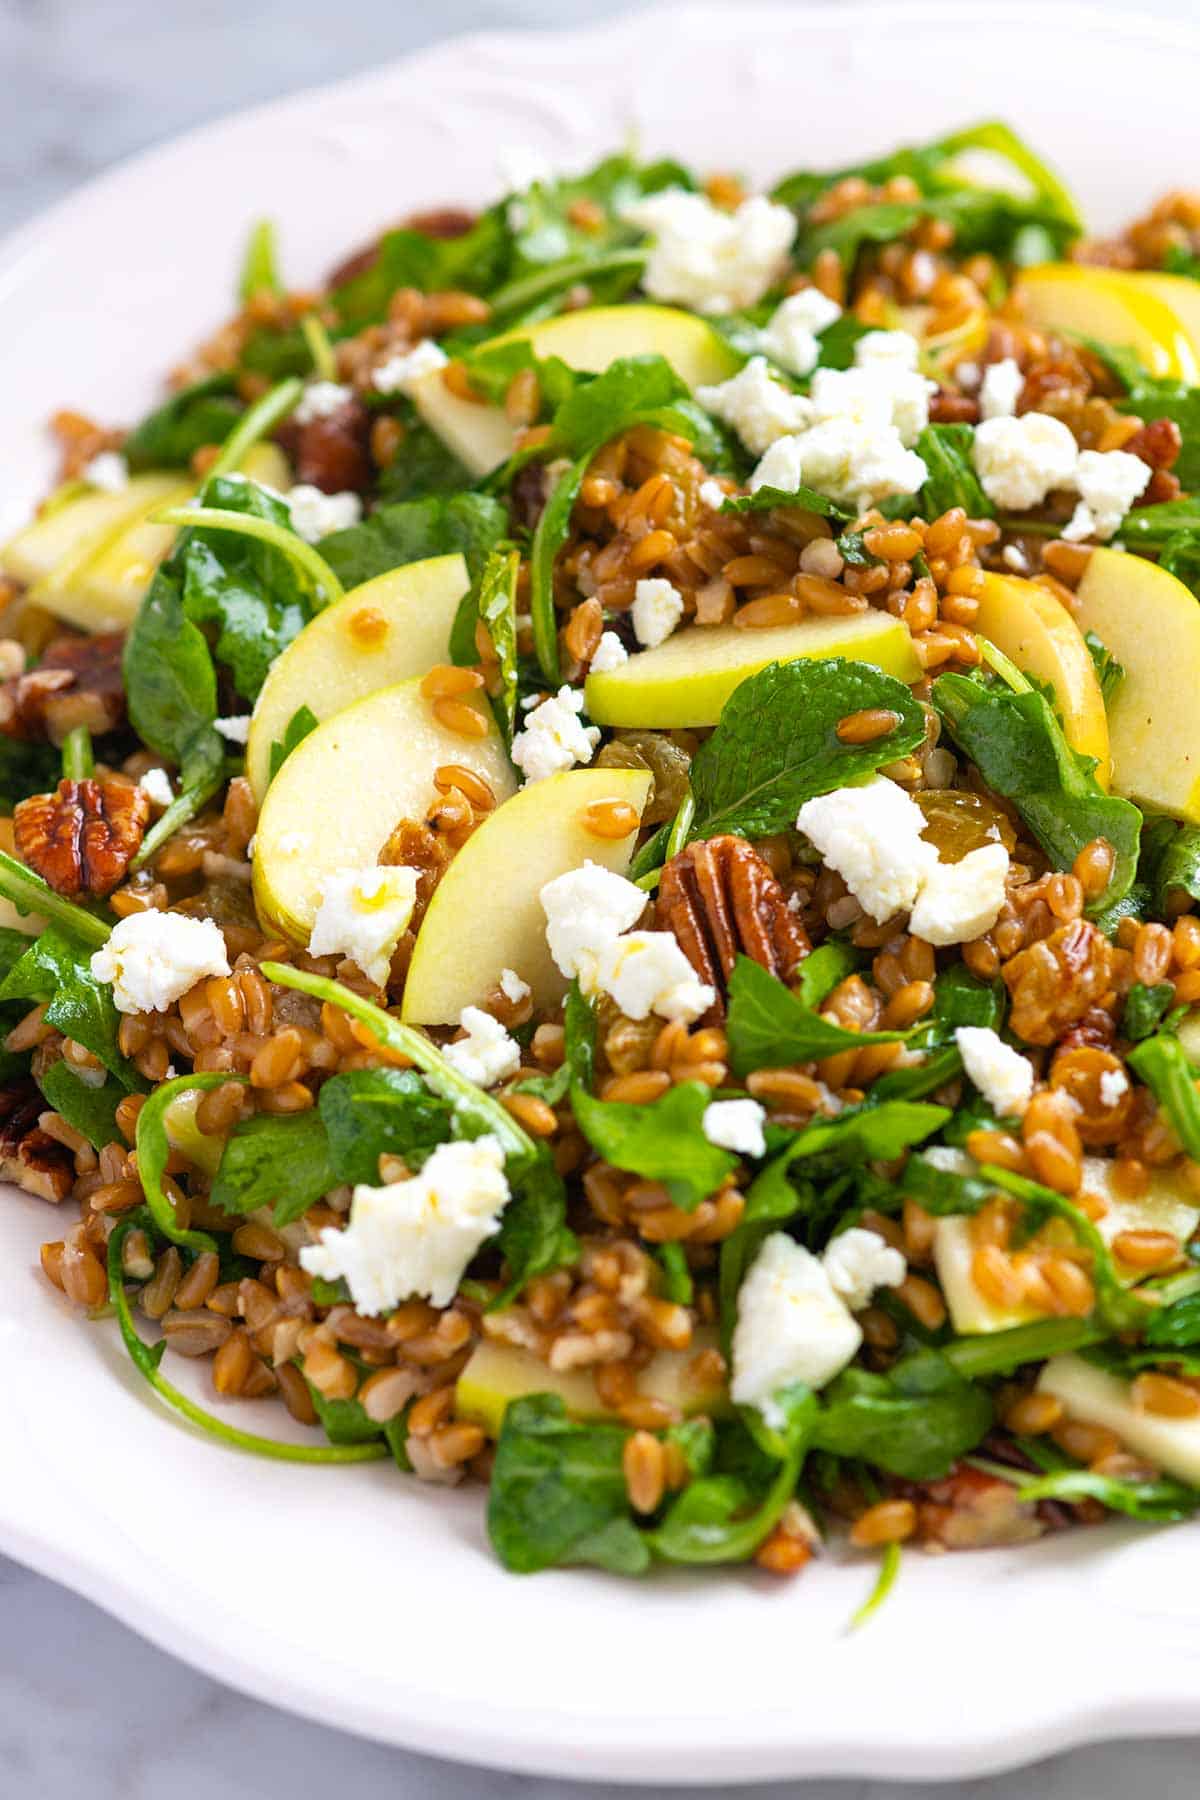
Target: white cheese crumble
{"x":656,"y":611}
{"x":152,"y":958}
{"x":320,"y":400}
{"x":553,"y":739}
{"x":646,"y":971}
{"x":108,"y":471}
{"x":712,"y":495}
{"x":791,"y":335}
{"x":156,"y":785}
{"x":1109,"y":481}
{"x":417,"y":1236}
{"x":959,"y":901}
{"x":1114,"y":1085}
{"x":609,"y":653}
{"x":1014,"y":558}
{"x":400,"y":373}
{"x":316,"y":514}
{"x":1020,"y":461}
{"x":363,"y":914}
{"x":878,"y":391}
{"x":899,"y":349}
{"x":791,"y":1326}
{"x":736,"y":1125}
{"x":1001,"y":389}
{"x":235,"y":730}
{"x":872,"y":836}
{"x":513,"y":987}
{"x":859,"y":1261}
{"x":853,"y":463}
{"x":708,"y":259}
{"x":585,"y":910}
{"x":487,"y":1054}
{"x":757,"y":405}
{"x":1003,"y":1076}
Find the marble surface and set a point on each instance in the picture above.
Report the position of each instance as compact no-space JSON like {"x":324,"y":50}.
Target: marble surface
{"x":85,"y":1705}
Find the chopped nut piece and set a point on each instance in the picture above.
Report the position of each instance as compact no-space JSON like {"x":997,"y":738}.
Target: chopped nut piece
{"x":720,"y":898}
{"x":82,"y":837}
{"x":29,"y":1156}
{"x":77,"y":682}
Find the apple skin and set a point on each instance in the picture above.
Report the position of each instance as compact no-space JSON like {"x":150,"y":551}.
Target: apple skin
{"x":1039,"y":634}
{"x":590,"y":339}
{"x":379,"y":634}
{"x":1115,"y":306}
{"x":497,"y":1374}
{"x":686,"y":681}
{"x":343,"y":791}
{"x":486,"y":914}
{"x":1151,"y":623}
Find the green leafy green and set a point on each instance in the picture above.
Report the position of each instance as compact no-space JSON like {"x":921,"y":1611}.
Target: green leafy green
{"x":168,"y":438}
{"x":154,"y":1147}
{"x":92,"y":1110}
{"x":55,"y":969}
{"x":25,"y":769}
{"x":424,"y":466}
{"x":348,"y":1422}
{"x":721,"y":1517}
{"x":369,"y":1113}
{"x":1159,"y":1499}
{"x":497,"y":608}
{"x":170,"y":680}
{"x":1177,"y":1325}
{"x":30,"y":894}
{"x":280,"y":1160}
{"x":260,"y":263}
{"x":1162,"y":1063}
{"x":663,"y":1142}
{"x":475,"y":261}
{"x":550,"y":534}
{"x":803,"y":499}
{"x":915,"y":1421}
{"x":951,"y":480}
{"x":558,"y":1493}
{"x":1109,"y":672}
{"x":1175,"y":851}
{"x":411,"y":530}
{"x":534,"y":1236}
{"x":302,"y":722}
{"x":579,"y":1053}
{"x":769,"y":1026}
{"x":1151,"y":528}
{"x":1145,"y":1008}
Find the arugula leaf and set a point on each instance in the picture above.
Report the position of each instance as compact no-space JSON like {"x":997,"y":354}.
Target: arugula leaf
{"x":369,"y":1113}
{"x":873,"y":1132}
{"x":915,"y":1421}
{"x":1150,"y":528}
{"x":348,"y":1422}
{"x":776,"y":745}
{"x":473,"y":261}
{"x":424,"y":466}
{"x":579,"y":1053}
{"x":824,"y":968}
{"x":1019,"y":749}
{"x":545,"y":220}
{"x":275,"y":1160}
{"x":170,"y":681}
{"x":663,"y":1142}
{"x":803,"y":499}
{"x":558,"y":1493}
{"x":25,"y":769}
{"x":1180,"y":556}
{"x":550,"y":534}
{"x":168,"y":437}
{"x":1145,"y":1008}
{"x":154,"y":1148}
{"x":92,"y":1110}
{"x":951,"y":480}
{"x":1153,"y":398}
{"x":769,"y":1026}
{"x":1162,"y":1063}
{"x":1174,"y":853}
{"x":961,"y":998}
{"x":260,"y":264}
{"x":1175,"y":1326}
{"x":411,"y":530}
{"x":302,"y":721}
{"x":719,"y":1518}
{"x":1159,"y":1498}
{"x":1109,"y":672}
{"x":497,"y":609}
{"x":55,"y":969}
{"x":533,"y":1236}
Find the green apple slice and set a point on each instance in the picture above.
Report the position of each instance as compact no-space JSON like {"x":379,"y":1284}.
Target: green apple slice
{"x":380,"y":633}
{"x":497,"y":1374}
{"x":77,"y":520}
{"x":590,"y":340}
{"x":1093,"y":1395}
{"x":686,"y":681}
{"x":343,"y":791}
{"x":486,"y":914}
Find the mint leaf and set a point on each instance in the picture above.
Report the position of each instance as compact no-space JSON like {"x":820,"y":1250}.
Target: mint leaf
{"x":769,"y":1026}
{"x":951,"y":479}
{"x":664,"y":1142}
{"x":369,"y":1113}
{"x":280,"y":1161}
{"x":766,"y":499}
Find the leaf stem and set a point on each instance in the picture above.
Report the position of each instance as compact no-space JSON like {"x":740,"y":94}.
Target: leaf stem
{"x":30,"y":894}
{"x":1002,"y":665}
{"x":77,"y":759}
{"x":183,"y":807}
{"x":254,"y":424}
{"x":525,"y":292}
{"x":217,"y":518}
{"x":319,"y":347}
{"x":889,"y":1569}
{"x":153,"y":1147}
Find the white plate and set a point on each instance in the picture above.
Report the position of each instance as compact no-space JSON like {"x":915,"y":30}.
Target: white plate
{"x":353,"y":1595}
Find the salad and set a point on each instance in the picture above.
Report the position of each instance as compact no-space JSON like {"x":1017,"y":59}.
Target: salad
{"x":603,"y":844}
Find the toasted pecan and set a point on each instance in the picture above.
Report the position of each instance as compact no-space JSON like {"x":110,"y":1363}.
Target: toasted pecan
{"x":77,"y":682}
{"x":29,"y":1156}
{"x":720,"y":899}
{"x":82,"y":837}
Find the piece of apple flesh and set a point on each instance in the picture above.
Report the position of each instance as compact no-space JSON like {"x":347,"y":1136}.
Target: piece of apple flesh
{"x":1039,"y":634}
{"x":344,"y":789}
{"x":589,"y":340}
{"x":1182,"y":294}
{"x":498,"y":1374}
{"x":377,"y":635}
{"x":1096,"y":1397}
{"x":1114,"y":306}
{"x":686,"y":681}
{"x":78,"y":522}
{"x":1151,"y":623}
{"x":29,"y":924}
{"x":486,"y":912}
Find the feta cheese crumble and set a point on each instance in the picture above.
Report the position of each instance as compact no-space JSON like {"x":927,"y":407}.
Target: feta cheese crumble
{"x":1001,"y":389}
{"x":156,"y":785}
{"x":487,"y":1054}
{"x":153,"y":958}
{"x":235,"y":730}
{"x":609,"y":653}
{"x":320,"y":400}
{"x":416,"y":1237}
{"x":513,"y":987}
{"x":757,"y":405}
{"x":872,"y":836}
{"x":1109,"y":481}
{"x":959,"y":901}
{"x":1114,"y":1085}
{"x":853,"y":463}
{"x":790,"y":336}
{"x":736,"y":1125}
{"x":859,"y":1261}
{"x":1003,"y":1076}
{"x":363,"y":914}
{"x":400,"y":373}
{"x":585,"y":910}
{"x":553,"y":739}
{"x":108,"y":471}
{"x":711,"y":260}
{"x":315,"y":514}
{"x":712,"y":495}
{"x":1019,"y":461}
{"x":656,"y":611}
{"x":646,"y":971}
{"x":791,"y":1326}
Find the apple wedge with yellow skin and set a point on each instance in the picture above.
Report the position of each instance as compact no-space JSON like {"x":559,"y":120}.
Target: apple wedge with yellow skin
{"x":1115,"y":306}
{"x":497,"y":1374}
{"x":486,"y":912}
{"x":377,"y":635}
{"x":345,"y":788}
{"x":1038,"y":633}
{"x":1182,"y":294}
{"x":1096,"y":1397}
{"x":1151,"y":623}
{"x":685,"y":682}
{"x":78,"y":521}
{"x":589,"y":340}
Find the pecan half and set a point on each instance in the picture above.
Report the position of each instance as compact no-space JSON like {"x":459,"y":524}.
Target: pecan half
{"x":83,"y":836}
{"x":28,"y":1155}
{"x":720,"y":898}
{"x":77,"y":682}
{"x":331,"y":453}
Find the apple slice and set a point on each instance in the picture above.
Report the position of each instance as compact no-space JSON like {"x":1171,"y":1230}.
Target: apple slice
{"x":1151,"y":623}
{"x":686,"y":681}
{"x":343,"y":791}
{"x":75,"y":522}
{"x":1039,"y":634}
{"x":589,"y":339}
{"x":378,"y":634}
{"x":486,"y":914}
{"x":1093,"y":1395}
{"x":1182,"y":294}
{"x":497,"y":1374}
{"x":1114,"y":305}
